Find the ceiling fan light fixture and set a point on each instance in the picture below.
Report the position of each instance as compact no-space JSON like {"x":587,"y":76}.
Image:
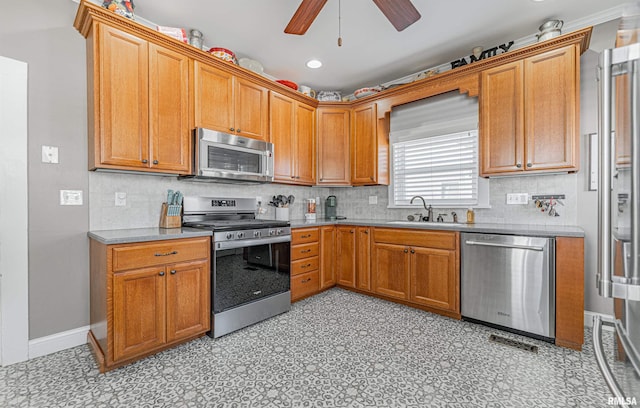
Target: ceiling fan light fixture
{"x":314,"y":63}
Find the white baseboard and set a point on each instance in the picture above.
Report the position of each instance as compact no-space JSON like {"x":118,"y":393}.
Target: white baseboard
{"x":57,"y":342}
{"x":588,"y":319}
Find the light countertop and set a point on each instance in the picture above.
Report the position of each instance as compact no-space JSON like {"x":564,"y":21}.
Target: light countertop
{"x":125,"y":236}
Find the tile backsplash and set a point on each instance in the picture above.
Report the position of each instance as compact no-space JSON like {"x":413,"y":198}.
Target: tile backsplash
{"x":145,"y":194}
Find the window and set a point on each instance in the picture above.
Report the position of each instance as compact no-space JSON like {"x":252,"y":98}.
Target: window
{"x":434,"y":153}
{"x":442,"y":169}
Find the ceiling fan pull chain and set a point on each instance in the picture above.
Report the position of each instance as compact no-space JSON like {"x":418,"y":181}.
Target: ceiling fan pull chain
{"x":339,"y":23}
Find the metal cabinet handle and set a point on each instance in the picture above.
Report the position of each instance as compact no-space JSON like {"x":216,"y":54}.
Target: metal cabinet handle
{"x":406,"y":250}
{"x":232,"y":129}
{"x":173,"y":272}
{"x":161,"y":273}
{"x":499,"y":245}
{"x":366,"y":232}
{"x":155,"y":162}
{"x":518,"y":165}
{"x":305,"y":266}
{"x":238,"y":130}
{"x":371,"y":178}
{"x":145,"y":161}
{"x":529,"y":165}
{"x":305,"y":280}
{"x":166,"y":254}
{"x":305,"y":251}
{"x":305,"y":236}
{"x":352,"y":231}
{"x":413,"y":251}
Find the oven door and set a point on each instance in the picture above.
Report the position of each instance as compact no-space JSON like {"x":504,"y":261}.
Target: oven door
{"x":224,"y":156}
{"x":248,"y":270}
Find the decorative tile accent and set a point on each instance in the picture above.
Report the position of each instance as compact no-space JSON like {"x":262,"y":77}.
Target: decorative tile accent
{"x":336,"y":349}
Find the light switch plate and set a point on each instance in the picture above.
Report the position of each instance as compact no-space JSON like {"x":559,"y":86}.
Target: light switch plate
{"x":50,"y":154}
{"x":518,"y":198}
{"x":70,"y":197}
{"x":121,"y":199}
{"x":373,"y":199}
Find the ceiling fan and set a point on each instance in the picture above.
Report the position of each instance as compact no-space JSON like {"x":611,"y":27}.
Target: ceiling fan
{"x":401,"y":13}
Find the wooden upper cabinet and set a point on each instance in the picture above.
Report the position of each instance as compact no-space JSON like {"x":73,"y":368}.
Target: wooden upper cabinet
{"x":141,"y":105}
{"x":293,"y":137}
{"x":346,"y":256}
{"x":121,"y":99}
{"x":529,"y":114}
{"x":551,"y":94}
{"x":501,"y":119}
{"x":333,"y":146}
{"x":229,"y":104}
{"x":170,"y":132}
{"x":251,"y":110}
{"x":364,"y":146}
{"x":327,"y":256}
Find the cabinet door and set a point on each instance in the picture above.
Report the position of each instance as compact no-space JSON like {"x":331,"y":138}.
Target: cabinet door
{"x":213,"y":94}
{"x":251,"y":110}
{"x":282,"y":111}
{"x":123,"y":102}
{"x":364,"y":150}
{"x":346,"y":256}
{"x":188,"y":309}
{"x":551,"y":115}
{"x":433,"y":278}
{"x":390,"y":264}
{"x":501,"y":119}
{"x":169,"y":110}
{"x":363,"y":258}
{"x":305,"y":144}
{"x":138,"y":311}
{"x":333,"y":146}
{"x":327,"y":257}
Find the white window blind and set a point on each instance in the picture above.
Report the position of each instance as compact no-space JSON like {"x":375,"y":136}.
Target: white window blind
{"x":442,"y":169}
{"x":434,"y":153}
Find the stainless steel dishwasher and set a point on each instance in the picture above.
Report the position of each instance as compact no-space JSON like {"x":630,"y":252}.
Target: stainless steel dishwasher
{"x":509,"y":281}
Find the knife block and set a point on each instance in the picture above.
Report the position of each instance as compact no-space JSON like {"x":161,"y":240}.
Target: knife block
{"x":169,"y":221}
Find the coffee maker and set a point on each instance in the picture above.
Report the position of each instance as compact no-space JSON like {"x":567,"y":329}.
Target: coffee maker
{"x":331,"y":207}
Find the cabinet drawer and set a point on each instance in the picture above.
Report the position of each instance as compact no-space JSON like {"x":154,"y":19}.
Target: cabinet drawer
{"x":303,"y":285}
{"x":304,"y":265}
{"x":304,"y":235}
{"x":132,"y":256}
{"x":304,"y":251}
{"x":427,"y":239}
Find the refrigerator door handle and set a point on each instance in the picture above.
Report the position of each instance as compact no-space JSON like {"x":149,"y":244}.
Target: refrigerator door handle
{"x":629,"y":349}
{"x":634,"y":82}
{"x":613,"y":385}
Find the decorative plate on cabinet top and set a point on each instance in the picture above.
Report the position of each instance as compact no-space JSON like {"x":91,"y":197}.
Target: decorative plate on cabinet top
{"x":326,"y":96}
{"x":362,"y":92}
{"x":251,"y":65}
{"x":290,"y":84}
{"x":224,"y":54}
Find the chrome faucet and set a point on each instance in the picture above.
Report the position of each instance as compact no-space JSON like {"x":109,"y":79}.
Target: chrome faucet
{"x":429,"y":209}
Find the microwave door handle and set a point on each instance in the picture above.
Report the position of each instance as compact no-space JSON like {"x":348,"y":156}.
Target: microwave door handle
{"x":603,"y":74}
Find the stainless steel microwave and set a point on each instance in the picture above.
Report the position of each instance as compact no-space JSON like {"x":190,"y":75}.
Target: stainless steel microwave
{"x":229,"y":158}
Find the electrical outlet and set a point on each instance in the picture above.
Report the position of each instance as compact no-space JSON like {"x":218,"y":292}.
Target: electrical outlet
{"x":518,"y":198}
{"x":50,"y":154}
{"x":70,"y":197}
{"x":121,"y":199}
{"x":373,"y":199}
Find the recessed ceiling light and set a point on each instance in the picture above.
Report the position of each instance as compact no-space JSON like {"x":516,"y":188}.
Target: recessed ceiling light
{"x":314,"y":63}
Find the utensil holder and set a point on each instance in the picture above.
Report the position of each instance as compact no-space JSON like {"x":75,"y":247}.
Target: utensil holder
{"x":282,"y":214}
{"x":169,"y":221}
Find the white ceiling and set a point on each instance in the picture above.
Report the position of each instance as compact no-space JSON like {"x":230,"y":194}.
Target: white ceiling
{"x":373,"y":52}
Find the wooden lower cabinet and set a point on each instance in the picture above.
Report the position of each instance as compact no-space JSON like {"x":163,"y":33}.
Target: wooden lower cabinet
{"x":146,"y":297}
{"x":305,"y":261}
{"x":391,"y":270}
{"x":327,"y":257}
{"x":363,"y":258}
{"x":432,"y":277}
{"x":346,"y":256}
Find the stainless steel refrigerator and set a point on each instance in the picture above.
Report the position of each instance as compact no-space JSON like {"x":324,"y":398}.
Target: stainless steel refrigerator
{"x":619,"y":220}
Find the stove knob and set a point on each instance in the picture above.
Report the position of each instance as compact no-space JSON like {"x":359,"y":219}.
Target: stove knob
{"x":240,"y":235}
{"x":272,"y":232}
{"x":279,"y":232}
{"x":256,"y":234}
{"x":229,"y":235}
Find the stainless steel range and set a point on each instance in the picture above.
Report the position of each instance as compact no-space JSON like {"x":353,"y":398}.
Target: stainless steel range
{"x":250,"y":260}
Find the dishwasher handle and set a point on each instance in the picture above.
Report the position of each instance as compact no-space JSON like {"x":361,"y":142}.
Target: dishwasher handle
{"x":499,"y":245}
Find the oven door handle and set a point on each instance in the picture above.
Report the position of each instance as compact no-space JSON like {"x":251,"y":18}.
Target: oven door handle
{"x":243,"y":243}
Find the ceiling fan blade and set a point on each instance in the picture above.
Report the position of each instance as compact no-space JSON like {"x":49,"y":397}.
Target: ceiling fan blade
{"x":401,"y":13}
{"x":304,"y":16}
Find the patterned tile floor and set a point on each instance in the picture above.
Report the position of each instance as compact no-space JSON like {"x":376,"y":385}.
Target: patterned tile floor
{"x":337,"y":349}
